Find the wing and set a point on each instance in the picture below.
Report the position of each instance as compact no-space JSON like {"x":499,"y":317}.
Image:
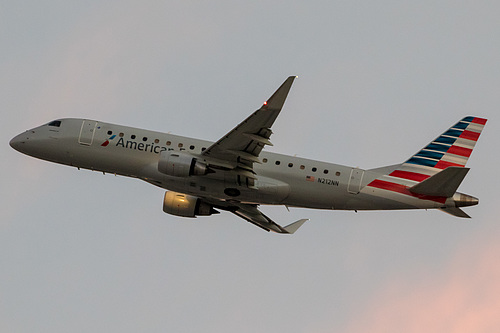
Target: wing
{"x":252,"y":214}
{"x":240,"y":148}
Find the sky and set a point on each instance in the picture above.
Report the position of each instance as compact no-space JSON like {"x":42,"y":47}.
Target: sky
{"x":86,"y":252}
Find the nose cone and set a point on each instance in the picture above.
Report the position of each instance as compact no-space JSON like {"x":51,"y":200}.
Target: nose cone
{"x":19,"y":142}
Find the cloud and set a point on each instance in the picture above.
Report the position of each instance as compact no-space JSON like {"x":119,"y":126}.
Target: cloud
{"x":464,"y":297}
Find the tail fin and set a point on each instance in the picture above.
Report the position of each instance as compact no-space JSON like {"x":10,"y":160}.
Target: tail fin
{"x":435,"y":172}
{"x":452,"y":148}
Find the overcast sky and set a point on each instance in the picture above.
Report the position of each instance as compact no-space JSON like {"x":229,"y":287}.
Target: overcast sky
{"x":83,"y":252}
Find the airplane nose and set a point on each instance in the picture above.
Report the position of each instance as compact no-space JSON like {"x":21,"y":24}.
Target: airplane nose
{"x":18,"y":141}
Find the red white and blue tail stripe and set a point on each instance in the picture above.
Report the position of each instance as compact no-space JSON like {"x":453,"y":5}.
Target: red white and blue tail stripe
{"x":452,"y":148}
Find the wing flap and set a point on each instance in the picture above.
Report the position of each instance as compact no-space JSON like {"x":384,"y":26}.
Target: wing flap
{"x":260,"y":139}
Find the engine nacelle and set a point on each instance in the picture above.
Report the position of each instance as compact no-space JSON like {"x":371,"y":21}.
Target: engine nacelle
{"x":185,"y":205}
{"x":180,"y":164}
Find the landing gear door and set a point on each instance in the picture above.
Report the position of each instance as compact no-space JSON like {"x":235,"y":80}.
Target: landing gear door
{"x":355,"y":180}
{"x":87,"y":132}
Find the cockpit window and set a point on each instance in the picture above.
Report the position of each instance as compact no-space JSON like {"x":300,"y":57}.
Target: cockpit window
{"x":55,"y":123}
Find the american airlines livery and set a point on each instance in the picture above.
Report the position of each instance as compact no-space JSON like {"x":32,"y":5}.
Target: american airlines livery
{"x":235,"y":175}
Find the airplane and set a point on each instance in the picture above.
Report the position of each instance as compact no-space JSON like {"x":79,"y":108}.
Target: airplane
{"x":234,"y":174}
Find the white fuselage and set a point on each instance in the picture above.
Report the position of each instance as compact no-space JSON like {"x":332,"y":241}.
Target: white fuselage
{"x":281,"y":179}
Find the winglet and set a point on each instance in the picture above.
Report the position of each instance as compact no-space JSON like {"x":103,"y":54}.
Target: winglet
{"x":291,"y":228}
{"x":276,"y":101}
{"x":253,"y":215}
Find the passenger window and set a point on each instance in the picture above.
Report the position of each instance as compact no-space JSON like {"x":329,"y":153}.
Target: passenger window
{"x":325,"y":171}
{"x":277,"y":162}
{"x":290,"y":165}
{"x":121,"y":135}
{"x":203,"y":149}
{"x":191,"y":147}
{"x":55,"y":123}
{"x":144,"y":139}
{"x":264,"y":160}
{"x":156,"y":140}
{"x":132,"y":137}
{"x":302,"y":167}
{"x":337,"y":173}
{"x":169,"y":143}
{"x":110,"y":132}
{"x":314,"y":169}
{"x":180,"y":145}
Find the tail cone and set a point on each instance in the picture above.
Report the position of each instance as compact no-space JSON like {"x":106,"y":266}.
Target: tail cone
{"x":464,"y":200}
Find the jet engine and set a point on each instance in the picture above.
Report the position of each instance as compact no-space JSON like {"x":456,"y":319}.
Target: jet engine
{"x":185,"y":205}
{"x":180,"y":164}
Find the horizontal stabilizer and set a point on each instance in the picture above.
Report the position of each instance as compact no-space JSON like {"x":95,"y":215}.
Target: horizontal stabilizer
{"x":442,"y":184}
{"x":455,"y":211}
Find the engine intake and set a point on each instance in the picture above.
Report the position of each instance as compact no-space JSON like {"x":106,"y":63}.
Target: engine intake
{"x":180,"y":164}
{"x":185,"y":205}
